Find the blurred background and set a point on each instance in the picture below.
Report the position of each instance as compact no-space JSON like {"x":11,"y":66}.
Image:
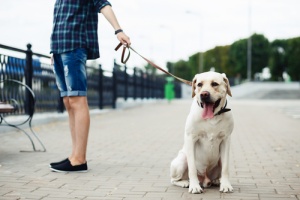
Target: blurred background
{"x":249,"y":40}
{"x":186,"y":36}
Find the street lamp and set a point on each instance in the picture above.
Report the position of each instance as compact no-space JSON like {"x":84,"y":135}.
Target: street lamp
{"x":200,"y":57}
{"x":249,"y":46}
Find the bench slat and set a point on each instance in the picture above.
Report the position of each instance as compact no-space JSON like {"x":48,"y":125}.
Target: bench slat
{"x":6,"y":108}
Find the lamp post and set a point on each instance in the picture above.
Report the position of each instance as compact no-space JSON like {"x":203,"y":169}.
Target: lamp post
{"x":249,"y":45}
{"x":200,"y":57}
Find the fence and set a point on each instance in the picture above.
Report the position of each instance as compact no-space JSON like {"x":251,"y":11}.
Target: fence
{"x":104,"y":87}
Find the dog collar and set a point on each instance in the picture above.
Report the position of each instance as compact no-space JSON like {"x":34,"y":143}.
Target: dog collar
{"x":223,"y":110}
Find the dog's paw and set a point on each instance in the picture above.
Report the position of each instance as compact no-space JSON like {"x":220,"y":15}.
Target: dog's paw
{"x":195,"y":188}
{"x":225,"y":186}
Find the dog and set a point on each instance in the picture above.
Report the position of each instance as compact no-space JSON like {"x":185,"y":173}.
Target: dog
{"x":204,"y":158}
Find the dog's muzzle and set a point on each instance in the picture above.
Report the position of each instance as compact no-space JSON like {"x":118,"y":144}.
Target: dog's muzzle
{"x":205,"y":99}
{"x":208,"y":105}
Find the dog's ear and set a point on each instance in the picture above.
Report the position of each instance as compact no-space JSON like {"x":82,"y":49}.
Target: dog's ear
{"x":193,"y":87}
{"x":227,"y":84}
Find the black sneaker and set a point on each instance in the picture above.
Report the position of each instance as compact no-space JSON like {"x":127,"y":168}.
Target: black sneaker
{"x":67,"y":167}
{"x":57,"y":163}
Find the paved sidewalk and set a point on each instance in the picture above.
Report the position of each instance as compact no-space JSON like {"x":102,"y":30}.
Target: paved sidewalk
{"x":130,"y":152}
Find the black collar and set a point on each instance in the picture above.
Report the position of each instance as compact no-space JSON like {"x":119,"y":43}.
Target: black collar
{"x":223,"y":110}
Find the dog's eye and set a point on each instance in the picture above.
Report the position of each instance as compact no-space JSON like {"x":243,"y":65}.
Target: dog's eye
{"x":214,"y":84}
{"x":199,"y":84}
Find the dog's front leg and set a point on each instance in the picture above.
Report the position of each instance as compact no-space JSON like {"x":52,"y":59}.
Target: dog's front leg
{"x":224,"y":149}
{"x":189,"y":147}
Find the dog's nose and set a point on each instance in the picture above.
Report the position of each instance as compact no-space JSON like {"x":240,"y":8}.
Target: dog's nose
{"x":205,"y":95}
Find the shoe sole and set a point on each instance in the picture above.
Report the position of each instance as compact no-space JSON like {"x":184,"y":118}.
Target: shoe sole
{"x":61,"y":171}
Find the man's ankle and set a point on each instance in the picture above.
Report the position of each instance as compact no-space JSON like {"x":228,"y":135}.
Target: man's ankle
{"x":77,"y":161}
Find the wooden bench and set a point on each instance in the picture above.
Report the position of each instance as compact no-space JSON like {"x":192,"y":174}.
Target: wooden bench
{"x":17,"y":100}
{"x":6,"y":108}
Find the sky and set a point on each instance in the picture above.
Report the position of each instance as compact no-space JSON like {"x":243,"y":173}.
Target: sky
{"x":161,"y":30}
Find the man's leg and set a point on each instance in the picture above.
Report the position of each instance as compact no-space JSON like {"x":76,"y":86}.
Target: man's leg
{"x":79,"y":123}
{"x":71,"y":77}
{"x":71,"y":124}
{"x":80,"y":127}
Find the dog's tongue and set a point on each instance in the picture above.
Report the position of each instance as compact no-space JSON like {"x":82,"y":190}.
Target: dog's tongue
{"x":208,"y":111}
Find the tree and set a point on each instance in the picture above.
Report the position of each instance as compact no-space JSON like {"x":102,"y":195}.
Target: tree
{"x":238,"y":58}
{"x":293,"y":64}
{"x":183,"y":70}
{"x":170,"y":67}
{"x":278,"y":61}
{"x":260,"y":53}
{"x":280,"y":56}
{"x":217,"y":58}
{"x":194,"y":63}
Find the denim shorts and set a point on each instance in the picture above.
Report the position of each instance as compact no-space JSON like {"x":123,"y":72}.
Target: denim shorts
{"x":70,"y":71}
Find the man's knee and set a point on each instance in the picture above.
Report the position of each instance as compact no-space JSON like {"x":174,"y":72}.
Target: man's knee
{"x":77,"y":102}
{"x":66,"y":103}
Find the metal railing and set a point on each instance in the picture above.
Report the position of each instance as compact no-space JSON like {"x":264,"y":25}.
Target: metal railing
{"x":104,"y":87}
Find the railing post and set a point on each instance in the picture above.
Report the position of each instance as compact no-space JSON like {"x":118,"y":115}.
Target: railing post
{"x":147,"y":84}
{"x":126,"y":83}
{"x":100,"y":88}
{"x":155,"y":84}
{"x":152,"y":85}
{"x":162,"y":88}
{"x":29,"y":102}
{"x":134,"y":84}
{"x":60,"y":106}
{"x":114,"y":87}
{"x":142,"y":85}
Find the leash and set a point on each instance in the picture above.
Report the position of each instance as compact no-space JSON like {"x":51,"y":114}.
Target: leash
{"x":150,"y":62}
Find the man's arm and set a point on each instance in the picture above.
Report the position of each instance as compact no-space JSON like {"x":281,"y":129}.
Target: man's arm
{"x":110,"y":16}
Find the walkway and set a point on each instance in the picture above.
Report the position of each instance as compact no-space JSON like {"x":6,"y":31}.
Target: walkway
{"x":130,"y":151}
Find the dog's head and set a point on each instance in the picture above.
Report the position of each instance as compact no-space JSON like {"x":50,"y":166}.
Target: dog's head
{"x":210,"y":90}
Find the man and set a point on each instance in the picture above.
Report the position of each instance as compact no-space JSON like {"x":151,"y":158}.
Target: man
{"x":74,"y":39}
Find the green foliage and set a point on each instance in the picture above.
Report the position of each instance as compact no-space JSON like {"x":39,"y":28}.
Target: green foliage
{"x":278,"y":61}
{"x":279,"y":55}
{"x":218,"y":58}
{"x":238,"y":58}
{"x":194,"y":63}
{"x":260,"y":53}
{"x":260,"y":49}
{"x":183,"y":70}
{"x":293,"y":64}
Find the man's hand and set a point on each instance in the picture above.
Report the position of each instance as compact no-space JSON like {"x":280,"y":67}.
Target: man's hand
{"x":124,"y":39}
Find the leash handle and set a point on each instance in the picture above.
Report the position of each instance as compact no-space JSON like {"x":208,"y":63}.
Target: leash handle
{"x":123,"y":53}
{"x":150,"y":62}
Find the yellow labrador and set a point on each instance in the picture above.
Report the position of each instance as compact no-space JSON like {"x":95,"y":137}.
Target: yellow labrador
{"x":204,"y":158}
